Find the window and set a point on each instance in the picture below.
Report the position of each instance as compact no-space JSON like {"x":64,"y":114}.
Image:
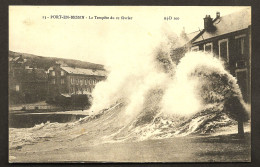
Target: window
{"x":223,"y":49}
{"x":208,"y":47}
{"x":62,"y":73}
{"x":53,"y":81}
{"x":77,"y":81}
{"x":81,"y":82}
{"x":62,"y":81}
{"x":86,"y":82}
{"x":240,"y":45}
{"x":17,"y":88}
{"x":72,"y":80}
{"x":53,"y":73}
{"x":195,"y":48}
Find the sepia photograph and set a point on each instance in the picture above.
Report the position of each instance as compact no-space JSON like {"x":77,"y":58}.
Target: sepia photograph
{"x":129,"y":84}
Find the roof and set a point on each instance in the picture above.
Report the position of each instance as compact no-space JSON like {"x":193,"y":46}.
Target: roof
{"x":14,"y":59}
{"x":185,"y":39}
{"x":82,"y":71}
{"x":49,"y":69}
{"x":192,"y":35}
{"x":230,"y":23}
{"x":65,"y":94}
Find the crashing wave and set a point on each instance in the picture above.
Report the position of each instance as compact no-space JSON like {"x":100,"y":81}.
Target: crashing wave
{"x":210,"y":84}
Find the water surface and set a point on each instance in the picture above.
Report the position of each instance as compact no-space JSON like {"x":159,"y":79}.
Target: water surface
{"x":28,"y":120}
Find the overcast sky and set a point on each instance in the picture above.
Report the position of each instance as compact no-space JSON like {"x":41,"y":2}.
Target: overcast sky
{"x":90,"y":40}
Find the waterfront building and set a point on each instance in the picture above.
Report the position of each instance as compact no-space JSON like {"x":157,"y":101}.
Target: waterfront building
{"x":66,"y":81}
{"x":27,"y":83}
{"x":228,"y":38}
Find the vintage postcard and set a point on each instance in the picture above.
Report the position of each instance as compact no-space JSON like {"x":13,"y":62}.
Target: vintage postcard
{"x":129,"y":84}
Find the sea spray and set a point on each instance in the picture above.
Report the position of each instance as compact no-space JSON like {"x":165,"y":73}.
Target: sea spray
{"x":182,"y":96}
{"x":134,"y":68}
{"x":186,"y":89}
{"x":190,"y":102}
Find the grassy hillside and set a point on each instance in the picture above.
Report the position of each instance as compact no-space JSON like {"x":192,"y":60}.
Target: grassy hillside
{"x":46,"y":62}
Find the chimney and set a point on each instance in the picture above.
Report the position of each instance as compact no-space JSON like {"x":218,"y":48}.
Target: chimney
{"x":217,"y":15}
{"x":208,"y":23}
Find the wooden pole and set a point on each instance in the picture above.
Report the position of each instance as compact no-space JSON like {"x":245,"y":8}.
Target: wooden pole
{"x":240,"y":128}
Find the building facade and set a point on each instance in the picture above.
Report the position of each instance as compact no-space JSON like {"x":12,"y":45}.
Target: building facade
{"x":26,"y":84}
{"x":67,"y":81}
{"x":228,"y":38}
